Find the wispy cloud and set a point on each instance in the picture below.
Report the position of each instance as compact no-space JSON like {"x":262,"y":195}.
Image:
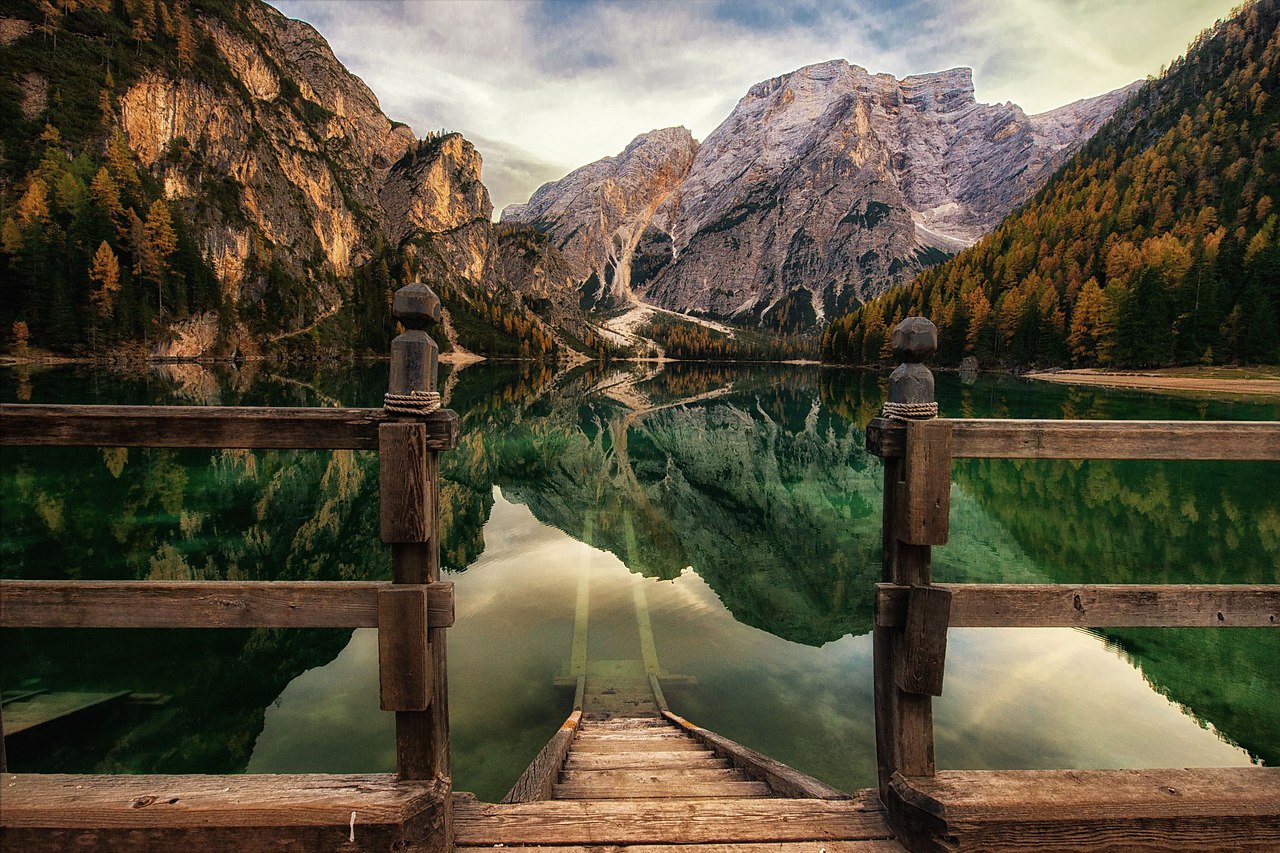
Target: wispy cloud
{"x":544,"y":87}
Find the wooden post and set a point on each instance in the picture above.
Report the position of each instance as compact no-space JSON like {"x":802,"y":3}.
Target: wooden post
{"x":908,"y":659}
{"x":414,"y":676}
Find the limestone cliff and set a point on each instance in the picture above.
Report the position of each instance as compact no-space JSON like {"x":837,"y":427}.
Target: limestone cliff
{"x":823,"y":187}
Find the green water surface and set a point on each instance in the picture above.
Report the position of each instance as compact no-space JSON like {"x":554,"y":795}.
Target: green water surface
{"x":738,"y":502}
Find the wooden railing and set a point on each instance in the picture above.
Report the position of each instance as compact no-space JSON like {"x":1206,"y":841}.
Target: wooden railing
{"x":912,"y":614}
{"x":411,"y":611}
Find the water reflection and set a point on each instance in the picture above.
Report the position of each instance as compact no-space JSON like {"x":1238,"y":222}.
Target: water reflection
{"x":744,"y":499}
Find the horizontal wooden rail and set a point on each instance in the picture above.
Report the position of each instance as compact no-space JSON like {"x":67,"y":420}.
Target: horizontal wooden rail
{"x":1054,"y":439}
{"x":204,"y":604}
{"x":208,"y":426}
{"x":1094,"y":605}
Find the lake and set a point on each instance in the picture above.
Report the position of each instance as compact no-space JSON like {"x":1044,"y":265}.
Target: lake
{"x":736,"y":504}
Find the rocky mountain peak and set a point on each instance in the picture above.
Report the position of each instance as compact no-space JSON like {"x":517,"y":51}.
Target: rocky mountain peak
{"x":821,"y":188}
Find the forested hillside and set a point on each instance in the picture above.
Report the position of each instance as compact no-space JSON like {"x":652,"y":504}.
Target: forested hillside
{"x":1156,"y":244}
{"x":203,"y":178}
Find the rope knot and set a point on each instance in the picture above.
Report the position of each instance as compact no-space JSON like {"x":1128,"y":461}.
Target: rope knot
{"x":910,"y":411}
{"x":413,"y":403}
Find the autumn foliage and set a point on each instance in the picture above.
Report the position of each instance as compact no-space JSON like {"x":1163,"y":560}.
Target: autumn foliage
{"x":1157,"y":244}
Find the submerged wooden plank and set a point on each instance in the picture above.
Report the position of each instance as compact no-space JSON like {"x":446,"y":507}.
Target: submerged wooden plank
{"x":1058,"y":439}
{"x":208,"y":426}
{"x":570,"y":822}
{"x":204,"y":604}
{"x":1194,"y":809}
{"x":221,"y":813}
{"x":1095,"y":605}
{"x":39,"y":709}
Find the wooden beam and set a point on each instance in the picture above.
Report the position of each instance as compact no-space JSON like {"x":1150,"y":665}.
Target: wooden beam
{"x":1095,"y":605}
{"x":204,"y":604}
{"x":1219,"y":808}
{"x":921,"y":664}
{"x":785,"y":781}
{"x":221,"y":813}
{"x":208,"y":426}
{"x":404,"y":664}
{"x":405,"y":492}
{"x":539,"y":778}
{"x":1057,"y":439}
{"x":602,"y":822}
{"x":924,"y":496}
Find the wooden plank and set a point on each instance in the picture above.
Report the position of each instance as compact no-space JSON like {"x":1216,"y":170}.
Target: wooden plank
{"x":1199,"y":809}
{"x":41,"y":425}
{"x":633,"y":790}
{"x":922,"y":661}
{"x":760,"y":847}
{"x":635,"y":745}
{"x":904,"y":721}
{"x":924,"y":494}
{"x":784,"y":780}
{"x":204,"y":604}
{"x":1057,"y":439}
{"x":221,"y":813}
{"x":673,"y":776}
{"x":404,"y":666}
{"x":644,"y":760}
{"x":1096,"y":605}
{"x":407,"y":499}
{"x":567,"y":822}
{"x":539,"y":778}
{"x":42,"y":708}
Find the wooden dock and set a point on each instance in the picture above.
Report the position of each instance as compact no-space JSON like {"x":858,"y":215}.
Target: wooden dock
{"x":624,"y":771}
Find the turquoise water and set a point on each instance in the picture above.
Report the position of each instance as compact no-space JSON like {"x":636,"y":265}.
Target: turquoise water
{"x":742,"y":503}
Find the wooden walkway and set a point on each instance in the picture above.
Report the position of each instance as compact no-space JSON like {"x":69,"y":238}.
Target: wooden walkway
{"x":626,"y":772}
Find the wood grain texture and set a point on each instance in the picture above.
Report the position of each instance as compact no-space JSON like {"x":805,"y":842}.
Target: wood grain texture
{"x":645,"y":760}
{"x":1089,"y":810}
{"x":1095,"y":605}
{"x":407,"y":500}
{"x":570,"y":822}
{"x":784,"y":780}
{"x":404,"y":665}
{"x":922,"y":661}
{"x":204,"y":604}
{"x":924,"y":493}
{"x":247,"y":427}
{"x":638,"y":790}
{"x":539,"y":778}
{"x":1057,"y":439}
{"x":220,"y":813}
{"x":759,"y":847}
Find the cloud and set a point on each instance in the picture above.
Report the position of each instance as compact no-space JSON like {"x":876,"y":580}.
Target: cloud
{"x":544,"y":87}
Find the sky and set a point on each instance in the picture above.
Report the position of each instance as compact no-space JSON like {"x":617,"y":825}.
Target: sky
{"x":541,"y":87}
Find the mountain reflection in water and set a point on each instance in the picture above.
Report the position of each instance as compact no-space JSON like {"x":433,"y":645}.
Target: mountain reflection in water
{"x":744,"y":500}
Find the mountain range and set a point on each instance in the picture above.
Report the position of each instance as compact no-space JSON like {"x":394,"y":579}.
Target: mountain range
{"x":822,"y":188}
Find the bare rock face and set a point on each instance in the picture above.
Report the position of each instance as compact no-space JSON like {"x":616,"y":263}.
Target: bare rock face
{"x":822,"y":188}
{"x":598,"y":214}
{"x":298,"y":157}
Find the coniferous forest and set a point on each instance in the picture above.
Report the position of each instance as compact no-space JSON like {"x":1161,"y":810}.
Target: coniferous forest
{"x":1158,"y":243}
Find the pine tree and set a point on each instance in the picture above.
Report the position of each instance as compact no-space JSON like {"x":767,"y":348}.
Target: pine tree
{"x":105,"y":272}
{"x":33,"y":207}
{"x":186,"y":40}
{"x":159,"y":243}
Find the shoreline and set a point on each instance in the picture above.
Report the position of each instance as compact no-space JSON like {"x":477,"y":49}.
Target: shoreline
{"x":1157,"y":380}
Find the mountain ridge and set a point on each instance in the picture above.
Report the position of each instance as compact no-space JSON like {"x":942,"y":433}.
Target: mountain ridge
{"x":778,"y":211}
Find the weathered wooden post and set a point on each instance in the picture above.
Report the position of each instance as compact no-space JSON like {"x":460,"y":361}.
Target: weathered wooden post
{"x":917,"y":486}
{"x":412,"y":660}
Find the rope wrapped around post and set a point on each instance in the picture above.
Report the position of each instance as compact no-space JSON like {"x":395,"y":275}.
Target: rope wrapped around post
{"x":413,"y":403}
